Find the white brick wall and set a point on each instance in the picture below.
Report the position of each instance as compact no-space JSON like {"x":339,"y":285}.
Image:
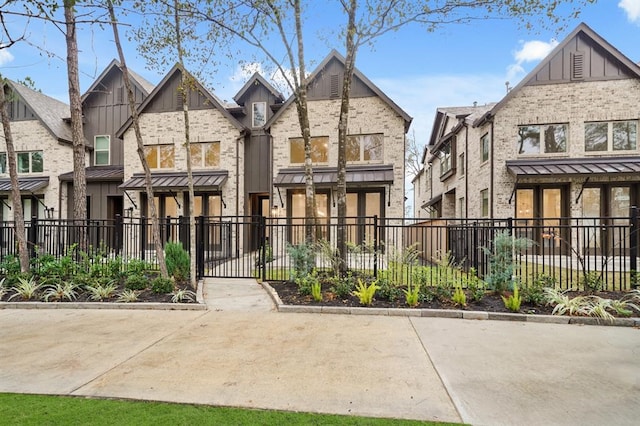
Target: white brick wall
{"x":31,"y":135}
{"x":205,"y":126}
{"x":367,"y":115}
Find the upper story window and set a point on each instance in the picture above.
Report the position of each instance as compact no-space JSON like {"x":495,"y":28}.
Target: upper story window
{"x":319,"y":150}
{"x":611,"y":136}
{"x":101,"y":150}
{"x":160,"y":156}
{"x":461,"y":164}
{"x":484,"y":203}
{"x":447,"y":157}
{"x":554,"y":139}
{"x":484,"y":148}
{"x":205,"y":154}
{"x":27,"y":162}
{"x":259,"y":114}
{"x":364,"y":147}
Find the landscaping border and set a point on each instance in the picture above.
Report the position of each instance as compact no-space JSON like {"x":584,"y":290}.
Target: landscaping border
{"x":447,"y":313}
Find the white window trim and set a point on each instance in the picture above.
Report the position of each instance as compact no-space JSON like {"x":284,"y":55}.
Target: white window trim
{"x":95,"y":150}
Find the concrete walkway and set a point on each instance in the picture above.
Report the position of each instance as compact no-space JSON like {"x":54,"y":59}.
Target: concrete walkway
{"x":241,"y":352}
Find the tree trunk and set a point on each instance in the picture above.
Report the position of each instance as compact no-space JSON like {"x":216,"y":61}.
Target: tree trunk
{"x":155,"y":226}
{"x":77,"y":135}
{"x":16,"y":199}
{"x":343,"y":126}
{"x":185,"y":88}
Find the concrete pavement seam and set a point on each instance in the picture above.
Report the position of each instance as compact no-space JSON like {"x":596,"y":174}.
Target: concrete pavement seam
{"x":457,"y":405}
{"x":164,"y":337}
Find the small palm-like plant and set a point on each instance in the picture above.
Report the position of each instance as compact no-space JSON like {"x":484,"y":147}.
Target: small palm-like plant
{"x":128,"y":296}
{"x":365,"y":293}
{"x":26,"y":288}
{"x":459,"y":297}
{"x":514,"y":301}
{"x":101,"y":291}
{"x":60,"y":291}
{"x":182,"y":295}
{"x":316,"y":291}
{"x":412,"y":295}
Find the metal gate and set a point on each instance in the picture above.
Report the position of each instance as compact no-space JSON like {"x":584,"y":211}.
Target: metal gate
{"x":229,"y":247}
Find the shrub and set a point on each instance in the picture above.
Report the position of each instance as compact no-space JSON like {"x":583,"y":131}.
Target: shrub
{"x":459,"y":297}
{"x":10,"y":268}
{"x":136,"y":282}
{"x":365,"y":292}
{"x":476,"y":290}
{"x":137,"y":267}
{"x":26,"y":288}
{"x":534,"y":292}
{"x":592,"y":281}
{"x":387,"y":290}
{"x":178,"y":261}
{"x":412,"y":295}
{"x":60,"y":291}
{"x":162,"y":285}
{"x":128,"y":296}
{"x":101,"y":291}
{"x":316,"y":291}
{"x":342,"y":286}
{"x":183,"y":295}
{"x":302,"y":259}
{"x":306,"y":282}
{"x":513,"y":301}
{"x":502,"y":262}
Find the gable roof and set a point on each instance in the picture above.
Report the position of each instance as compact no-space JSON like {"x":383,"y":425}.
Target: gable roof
{"x":50,"y":112}
{"x":582,"y":30}
{"x":256,"y":78}
{"x":145,"y":86}
{"x":211,"y":98}
{"x":334,"y":55}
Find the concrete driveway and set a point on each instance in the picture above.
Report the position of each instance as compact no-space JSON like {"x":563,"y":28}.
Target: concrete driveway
{"x":241,"y":352}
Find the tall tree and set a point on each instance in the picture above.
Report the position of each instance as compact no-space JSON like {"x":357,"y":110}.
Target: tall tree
{"x":155,"y":225}
{"x":77,"y":134}
{"x":378,"y":17}
{"x":16,"y":199}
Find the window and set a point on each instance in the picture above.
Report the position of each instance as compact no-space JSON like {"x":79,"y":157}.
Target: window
{"x":461,"y":164}
{"x":611,"y":136}
{"x":461,"y":207}
{"x":319,"y":150}
{"x":484,"y":148}
{"x":259,"y":114}
{"x":364,"y":147}
{"x":101,"y":150}
{"x":447,"y":166}
{"x":160,"y":156}
{"x":205,"y":154}
{"x":27,"y":162}
{"x":484,"y":198}
{"x":554,"y":138}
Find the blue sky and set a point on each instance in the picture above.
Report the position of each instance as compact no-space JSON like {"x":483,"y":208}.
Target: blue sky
{"x":420,"y":71}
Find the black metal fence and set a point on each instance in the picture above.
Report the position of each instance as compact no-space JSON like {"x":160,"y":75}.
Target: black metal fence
{"x":571,"y":250}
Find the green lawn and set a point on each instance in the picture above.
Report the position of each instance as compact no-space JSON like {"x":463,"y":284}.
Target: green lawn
{"x":18,"y":409}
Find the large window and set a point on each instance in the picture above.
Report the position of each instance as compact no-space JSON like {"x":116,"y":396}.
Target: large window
{"x":484,"y":203}
{"x":361,"y":207}
{"x":364,"y":147}
{"x":319,"y":150}
{"x":205,"y":154}
{"x":101,"y":150}
{"x":542,"y":139}
{"x":27,"y":162}
{"x":611,"y":136}
{"x":484,"y":148}
{"x":160,"y":156}
{"x":446,"y":156}
{"x":297,"y":214}
{"x":259,"y":114}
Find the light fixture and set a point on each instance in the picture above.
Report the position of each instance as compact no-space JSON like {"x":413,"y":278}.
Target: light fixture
{"x":275,"y":211}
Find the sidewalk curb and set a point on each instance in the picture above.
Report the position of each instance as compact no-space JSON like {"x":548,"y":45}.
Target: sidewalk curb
{"x":447,"y":313}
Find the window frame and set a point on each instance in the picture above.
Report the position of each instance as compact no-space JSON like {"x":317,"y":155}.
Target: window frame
{"x":203,"y":158}
{"x":484,"y":148}
{"x":484,"y":208}
{"x":4,"y":167}
{"x":542,"y":147}
{"x":157,"y":148}
{"x":361,"y":148}
{"x":96,"y":150}
{"x":450,"y":170}
{"x":610,"y":136}
{"x":263,"y":105}
{"x":316,"y":139}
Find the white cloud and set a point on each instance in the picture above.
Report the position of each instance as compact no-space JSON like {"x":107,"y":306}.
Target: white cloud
{"x":529,"y":51}
{"x":632,"y":9}
{"x":5,"y":56}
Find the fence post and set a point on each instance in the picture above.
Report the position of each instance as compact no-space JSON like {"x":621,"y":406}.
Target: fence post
{"x":375,"y":246}
{"x":143,"y":236}
{"x":117,"y":237}
{"x":184,"y":233}
{"x":263,"y":243}
{"x":33,"y":237}
{"x":200,"y":246}
{"x":633,"y":246}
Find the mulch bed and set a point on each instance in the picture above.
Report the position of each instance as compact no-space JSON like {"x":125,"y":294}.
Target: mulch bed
{"x":288,"y":293}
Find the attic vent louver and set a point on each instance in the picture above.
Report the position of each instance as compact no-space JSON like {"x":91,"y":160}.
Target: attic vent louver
{"x":577,"y":66}
{"x":334,"y":86}
{"x":179,"y":100}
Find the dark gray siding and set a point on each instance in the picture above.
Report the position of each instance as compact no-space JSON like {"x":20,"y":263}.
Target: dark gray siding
{"x":593,"y":63}
{"x":257,"y":177}
{"x":257,"y":93}
{"x":106,"y":109}
{"x":169,"y":100}
{"x":98,"y":194}
{"x":328,"y":84}
{"x":18,"y":110}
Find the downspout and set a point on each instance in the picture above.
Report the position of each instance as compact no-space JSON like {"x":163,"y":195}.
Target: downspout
{"x":491,"y":174}
{"x":60,"y":199}
{"x":466,"y":170}
{"x":242,"y":135}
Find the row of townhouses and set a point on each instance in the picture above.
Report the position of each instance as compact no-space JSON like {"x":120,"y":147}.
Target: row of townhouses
{"x":247,"y":156}
{"x":563,"y":143}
